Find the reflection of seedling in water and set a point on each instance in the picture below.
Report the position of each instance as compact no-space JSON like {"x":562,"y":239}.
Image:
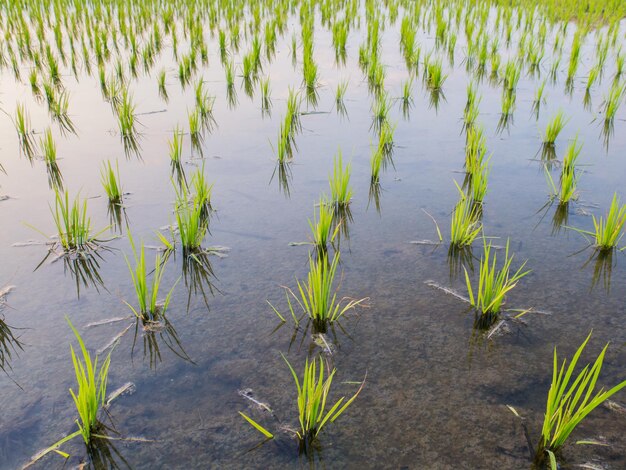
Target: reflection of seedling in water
{"x":312,"y":394}
{"x":153,"y":334}
{"x":195,"y":132}
{"x":493,"y":284}
{"x":571,"y":398}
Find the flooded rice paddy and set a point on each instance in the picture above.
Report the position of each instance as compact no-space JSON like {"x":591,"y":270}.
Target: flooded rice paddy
{"x":437,"y":387}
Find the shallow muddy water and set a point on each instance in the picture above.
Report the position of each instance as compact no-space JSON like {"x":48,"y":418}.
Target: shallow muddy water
{"x":436,"y":389}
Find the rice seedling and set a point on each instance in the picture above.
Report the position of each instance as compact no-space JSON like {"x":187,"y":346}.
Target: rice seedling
{"x":317,"y":298}
{"x":204,"y":105}
{"x":266,"y":98}
{"x":55,"y":179}
{"x":494,"y":284}
{"x":475,"y":149}
{"x":310,"y":80}
{"x":147,"y":293}
{"x":377,"y":160}
{"x":434,"y":75}
{"x":231,"y":92}
{"x":312,"y":394}
{"x":566,"y":190}
{"x":608,"y":231}
{"x":554,"y":128}
{"x":292,"y":117}
{"x":127,"y":123}
{"x":24,"y":132}
{"x":539,"y":98}
{"x":613,"y":101}
{"x":176,"y":147}
{"x":339,"y":181}
{"x":202,"y":192}
{"x":571,"y":398}
{"x":111,"y":182}
{"x":465,"y":223}
{"x":72,"y":223}
{"x":162,"y":86}
{"x":191,"y":219}
{"x":322,"y":227}
{"x":91,"y":382}
{"x":380,"y":110}
{"x":58,"y":108}
{"x":512,"y":73}
{"x":195,"y":132}
{"x":340,"y":93}
{"x":478,"y":179}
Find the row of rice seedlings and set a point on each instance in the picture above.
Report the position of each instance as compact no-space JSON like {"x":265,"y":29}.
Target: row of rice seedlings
{"x":493,"y":284}
{"x":571,"y":398}
{"x":149,"y":308}
{"x":312,"y":395}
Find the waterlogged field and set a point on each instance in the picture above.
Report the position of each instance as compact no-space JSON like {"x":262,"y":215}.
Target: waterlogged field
{"x":312,"y":233}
